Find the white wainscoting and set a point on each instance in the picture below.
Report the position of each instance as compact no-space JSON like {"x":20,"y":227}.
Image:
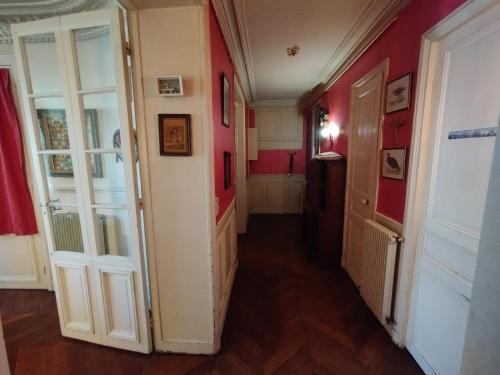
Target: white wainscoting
{"x":276,"y":194}
{"x":225,"y":263}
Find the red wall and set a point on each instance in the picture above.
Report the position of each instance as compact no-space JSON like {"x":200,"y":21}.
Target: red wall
{"x":401,"y":43}
{"x":277,"y":161}
{"x":223,"y":136}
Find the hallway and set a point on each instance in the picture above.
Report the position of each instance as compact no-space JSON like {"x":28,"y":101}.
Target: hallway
{"x":286,"y":316}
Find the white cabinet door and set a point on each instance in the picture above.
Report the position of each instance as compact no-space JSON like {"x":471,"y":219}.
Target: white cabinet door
{"x":267,"y":123}
{"x":279,"y":128}
{"x":75,"y":92}
{"x":464,"y":95}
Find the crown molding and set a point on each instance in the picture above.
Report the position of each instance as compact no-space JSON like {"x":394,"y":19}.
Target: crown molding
{"x":375,"y":17}
{"x":25,"y":11}
{"x":226,"y":15}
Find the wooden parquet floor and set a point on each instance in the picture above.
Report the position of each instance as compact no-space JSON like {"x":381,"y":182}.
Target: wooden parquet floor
{"x":287,"y":315}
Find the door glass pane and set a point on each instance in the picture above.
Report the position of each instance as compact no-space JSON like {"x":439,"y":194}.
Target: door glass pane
{"x":51,"y":116}
{"x":94,"y":52}
{"x":113,"y":232}
{"x":65,"y":218}
{"x":101,"y":120}
{"x":66,"y":229}
{"x":108,"y":179}
{"x":60,"y":179}
{"x":41,"y":56}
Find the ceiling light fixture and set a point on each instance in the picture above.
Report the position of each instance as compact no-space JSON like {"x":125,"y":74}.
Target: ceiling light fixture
{"x":292,"y":51}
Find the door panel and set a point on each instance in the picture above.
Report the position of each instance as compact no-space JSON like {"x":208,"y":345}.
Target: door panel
{"x":465,"y":96}
{"x":74,"y":297}
{"x":87,"y":176}
{"x":362,"y":176}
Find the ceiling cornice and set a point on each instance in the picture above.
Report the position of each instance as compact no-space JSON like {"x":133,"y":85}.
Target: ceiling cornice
{"x":241,"y":22}
{"x":375,"y":17}
{"x":24,"y":11}
{"x":228,"y":24}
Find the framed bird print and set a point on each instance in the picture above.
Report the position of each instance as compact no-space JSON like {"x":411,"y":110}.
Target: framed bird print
{"x":394,"y":163}
{"x":398,"y":94}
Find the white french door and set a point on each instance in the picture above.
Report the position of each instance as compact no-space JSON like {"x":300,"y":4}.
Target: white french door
{"x":75,"y":93}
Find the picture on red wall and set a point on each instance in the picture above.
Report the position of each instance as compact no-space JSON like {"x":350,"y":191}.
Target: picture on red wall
{"x":398,"y":94}
{"x":225,"y":100}
{"x":227,"y":170}
{"x":393,"y":163}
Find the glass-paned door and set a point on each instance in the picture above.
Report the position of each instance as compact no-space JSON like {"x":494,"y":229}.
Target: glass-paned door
{"x":76,"y":103}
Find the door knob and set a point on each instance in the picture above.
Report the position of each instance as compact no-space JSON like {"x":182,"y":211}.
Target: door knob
{"x":364,"y":201}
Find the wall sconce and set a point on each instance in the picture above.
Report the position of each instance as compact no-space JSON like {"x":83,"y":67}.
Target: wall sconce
{"x":329,"y":130}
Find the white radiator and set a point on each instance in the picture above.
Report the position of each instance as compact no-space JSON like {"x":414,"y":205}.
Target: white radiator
{"x":378,"y":268}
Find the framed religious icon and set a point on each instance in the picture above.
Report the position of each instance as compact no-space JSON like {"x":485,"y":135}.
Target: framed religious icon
{"x":175,"y":134}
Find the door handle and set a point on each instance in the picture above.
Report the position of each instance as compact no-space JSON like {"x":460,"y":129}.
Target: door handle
{"x":364,"y":201}
{"x":290,"y":164}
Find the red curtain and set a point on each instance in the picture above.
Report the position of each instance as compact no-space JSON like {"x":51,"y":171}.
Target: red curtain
{"x":16,"y":208}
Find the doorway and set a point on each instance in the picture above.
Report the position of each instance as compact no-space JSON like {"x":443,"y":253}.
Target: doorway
{"x":240,"y":159}
{"x":456,"y":118}
{"x":362,"y":164}
{"x":81,"y":137}
{"x":25,"y":263}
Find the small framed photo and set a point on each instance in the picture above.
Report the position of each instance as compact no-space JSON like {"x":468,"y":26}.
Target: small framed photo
{"x":175,"y":135}
{"x":398,"y":94}
{"x":227,"y":170}
{"x":170,"y":85}
{"x":394,"y":163}
{"x":225,"y":100}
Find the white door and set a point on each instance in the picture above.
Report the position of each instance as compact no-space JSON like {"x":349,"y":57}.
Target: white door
{"x":75,"y":96}
{"x":362,"y":169}
{"x":24,"y":262}
{"x":462,"y":93}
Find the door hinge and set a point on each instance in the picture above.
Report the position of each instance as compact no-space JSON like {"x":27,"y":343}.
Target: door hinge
{"x":141,"y":204}
{"x":128,"y":50}
{"x":44,"y":269}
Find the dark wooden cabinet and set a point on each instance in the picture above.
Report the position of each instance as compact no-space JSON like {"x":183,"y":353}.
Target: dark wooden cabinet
{"x":324,"y":209}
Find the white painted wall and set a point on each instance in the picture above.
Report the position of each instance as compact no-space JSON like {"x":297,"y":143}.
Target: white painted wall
{"x":179,"y":219}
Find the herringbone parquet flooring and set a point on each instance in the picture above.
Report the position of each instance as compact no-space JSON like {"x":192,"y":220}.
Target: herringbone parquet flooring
{"x":287,"y":315}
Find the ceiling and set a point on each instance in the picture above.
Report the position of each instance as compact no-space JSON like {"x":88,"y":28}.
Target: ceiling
{"x":317,"y":26}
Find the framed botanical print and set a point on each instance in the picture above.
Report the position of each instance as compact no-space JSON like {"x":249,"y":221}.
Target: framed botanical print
{"x":398,"y":94}
{"x":225,"y":100}
{"x":175,"y":134}
{"x":54,"y":136}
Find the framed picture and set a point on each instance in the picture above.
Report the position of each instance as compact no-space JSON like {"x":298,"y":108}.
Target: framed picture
{"x":227,"y":170}
{"x":393,"y":163}
{"x":225,"y":92}
{"x":398,"y":94}
{"x":175,"y":135}
{"x":54,"y":136}
{"x":170,"y":85}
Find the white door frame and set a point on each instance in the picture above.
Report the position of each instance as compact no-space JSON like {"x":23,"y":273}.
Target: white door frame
{"x":42,"y":278}
{"x":241,"y":158}
{"x":415,"y":196}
